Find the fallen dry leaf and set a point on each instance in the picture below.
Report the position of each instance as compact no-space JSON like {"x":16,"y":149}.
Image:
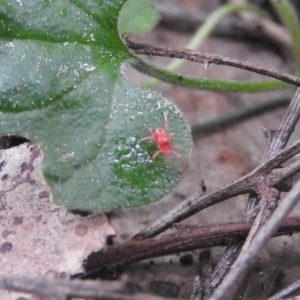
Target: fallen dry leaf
{"x":39,"y":238}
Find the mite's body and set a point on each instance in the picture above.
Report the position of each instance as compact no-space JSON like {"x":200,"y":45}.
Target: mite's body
{"x":162,"y":138}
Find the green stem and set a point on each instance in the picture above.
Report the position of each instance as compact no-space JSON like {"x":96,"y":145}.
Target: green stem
{"x":205,"y":30}
{"x":207,"y":84}
{"x":289,"y":18}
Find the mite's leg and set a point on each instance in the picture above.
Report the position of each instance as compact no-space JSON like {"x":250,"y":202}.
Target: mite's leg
{"x":166,"y":121}
{"x":149,"y":137}
{"x":155,"y":155}
{"x":181,"y":160}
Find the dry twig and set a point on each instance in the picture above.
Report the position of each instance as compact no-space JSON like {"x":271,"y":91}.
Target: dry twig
{"x":207,"y":59}
{"x":287,"y":291}
{"x":277,"y":141}
{"x":186,"y":238}
{"x":247,"y":258}
{"x":65,"y":289}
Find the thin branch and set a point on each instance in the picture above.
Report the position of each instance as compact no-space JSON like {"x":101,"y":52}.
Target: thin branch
{"x":277,"y":141}
{"x":245,"y":261}
{"x":285,"y":173}
{"x":287,"y":126}
{"x":57,"y":287}
{"x":66,"y":289}
{"x":294,"y":287}
{"x":186,"y":238}
{"x":209,"y":58}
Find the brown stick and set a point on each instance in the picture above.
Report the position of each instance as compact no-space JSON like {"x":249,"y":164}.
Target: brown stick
{"x":186,"y":238}
{"x":269,"y":196}
{"x":66,"y":289}
{"x":210,"y":58}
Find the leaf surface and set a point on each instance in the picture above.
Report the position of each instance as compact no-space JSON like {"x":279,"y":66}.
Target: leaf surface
{"x":61,"y":87}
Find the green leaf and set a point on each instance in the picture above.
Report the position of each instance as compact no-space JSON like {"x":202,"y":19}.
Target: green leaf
{"x":61,"y":87}
{"x":132,"y":20}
